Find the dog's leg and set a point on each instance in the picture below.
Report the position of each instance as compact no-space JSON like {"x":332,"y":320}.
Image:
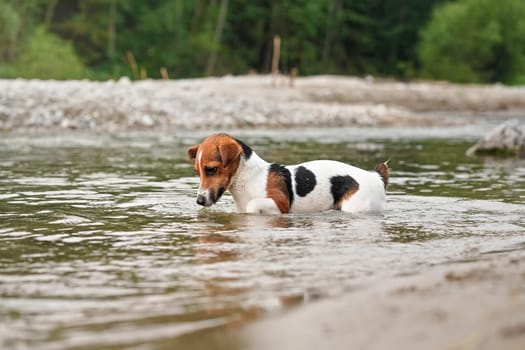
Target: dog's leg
{"x":357,"y":204}
{"x":262,"y":206}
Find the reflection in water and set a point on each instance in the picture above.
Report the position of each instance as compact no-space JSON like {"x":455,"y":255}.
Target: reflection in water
{"x":102,"y":244}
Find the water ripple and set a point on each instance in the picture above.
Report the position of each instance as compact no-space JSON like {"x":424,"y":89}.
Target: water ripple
{"x":114,"y":251}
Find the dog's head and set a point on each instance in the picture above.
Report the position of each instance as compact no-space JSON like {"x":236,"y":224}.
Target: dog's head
{"x":215,"y":160}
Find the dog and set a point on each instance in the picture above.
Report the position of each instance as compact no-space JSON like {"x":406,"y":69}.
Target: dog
{"x":224,"y":163}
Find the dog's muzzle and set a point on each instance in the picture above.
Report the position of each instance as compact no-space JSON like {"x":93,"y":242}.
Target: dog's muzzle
{"x":203,"y":200}
{"x":208,"y":198}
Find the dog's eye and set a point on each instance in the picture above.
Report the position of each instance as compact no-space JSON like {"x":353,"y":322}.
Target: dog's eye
{"x":210,"y":171}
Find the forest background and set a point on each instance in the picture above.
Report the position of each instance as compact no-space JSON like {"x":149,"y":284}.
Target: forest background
{"x":467,"y":41}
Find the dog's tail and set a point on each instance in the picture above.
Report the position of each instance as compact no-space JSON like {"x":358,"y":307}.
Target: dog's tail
{"x":382,"y":170}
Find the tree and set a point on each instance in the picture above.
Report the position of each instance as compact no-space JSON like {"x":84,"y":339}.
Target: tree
{"x":46,"y":56}
{"x":396,"y":24}
{"x":476,"y":41}
{"x":10,"y":28}
{"x":17,"y":20}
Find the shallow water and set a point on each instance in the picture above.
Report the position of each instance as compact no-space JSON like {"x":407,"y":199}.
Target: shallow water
{"x":102,"y":244}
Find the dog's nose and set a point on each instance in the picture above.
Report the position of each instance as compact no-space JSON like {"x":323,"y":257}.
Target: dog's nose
{"x":201,"y":200}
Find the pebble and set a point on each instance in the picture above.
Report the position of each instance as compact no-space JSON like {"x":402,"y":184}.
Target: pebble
{"x":207,"y":103}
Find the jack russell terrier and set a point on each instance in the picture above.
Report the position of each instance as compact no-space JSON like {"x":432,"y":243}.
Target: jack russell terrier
{"x":225,"y":163}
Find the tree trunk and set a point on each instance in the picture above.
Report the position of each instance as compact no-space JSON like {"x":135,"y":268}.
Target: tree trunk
{"x":179,"y":11}
{"x":50,"y":12}
{"x":332,"y":24}
{"x":197,"y":14}
{"x":210,"y":66}
{"x":112,"y":33}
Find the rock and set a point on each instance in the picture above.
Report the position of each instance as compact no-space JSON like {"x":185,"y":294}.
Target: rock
{"x":506,"y":139}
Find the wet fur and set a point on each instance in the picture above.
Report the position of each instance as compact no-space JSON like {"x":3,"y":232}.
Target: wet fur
{"x":225,"y":163}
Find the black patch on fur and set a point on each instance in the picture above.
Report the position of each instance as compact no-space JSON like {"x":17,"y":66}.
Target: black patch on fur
{"x":285,"y":173}
{"x":304,"y":181}
{"x":220,"y":193}
{"x":246,"y":149}
{"x":341,"y":185}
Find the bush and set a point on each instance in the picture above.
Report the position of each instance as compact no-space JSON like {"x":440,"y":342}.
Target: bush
{"x":46,"y":56}
{"x":475,"y":41}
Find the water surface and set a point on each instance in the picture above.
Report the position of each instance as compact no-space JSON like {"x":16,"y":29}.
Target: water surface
{"x":102,"y":244}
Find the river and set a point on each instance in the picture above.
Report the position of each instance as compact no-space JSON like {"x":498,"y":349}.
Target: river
{"x":102,"y":244}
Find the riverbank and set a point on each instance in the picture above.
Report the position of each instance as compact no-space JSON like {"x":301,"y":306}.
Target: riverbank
{"x":476,"y":304}
{"x":247,"y":101}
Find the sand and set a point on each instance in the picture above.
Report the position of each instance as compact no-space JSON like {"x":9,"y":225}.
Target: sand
{"x":474,"y":305}
{"x":462,"y":306}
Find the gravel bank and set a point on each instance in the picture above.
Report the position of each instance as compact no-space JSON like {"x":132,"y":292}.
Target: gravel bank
{"x":246,"y":101}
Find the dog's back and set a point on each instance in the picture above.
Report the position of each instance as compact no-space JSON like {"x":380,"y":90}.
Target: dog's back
{"x":326,"y":184}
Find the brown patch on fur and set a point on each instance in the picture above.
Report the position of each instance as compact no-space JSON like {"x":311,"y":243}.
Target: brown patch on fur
{"x":229,"y":152}
{"x":192,"y":153}
{"x":349,"y":193}
{"x":382,"y":170}
{"x":276,"y":190}
{"x":219,"y":151}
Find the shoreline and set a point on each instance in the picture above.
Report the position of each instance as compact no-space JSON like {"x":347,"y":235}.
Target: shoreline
{"x":476,"y":304}
{"x":248,"y":102}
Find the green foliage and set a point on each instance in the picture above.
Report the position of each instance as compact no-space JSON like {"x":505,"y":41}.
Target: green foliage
{"x":475,"y":41}
{"x":46,"y":56}
{"x":184,"y":36}
{"x":466,"y":41}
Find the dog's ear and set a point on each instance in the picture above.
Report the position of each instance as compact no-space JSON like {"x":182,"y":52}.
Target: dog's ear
{"x":192,"y":153}
{"x":229,"y":152}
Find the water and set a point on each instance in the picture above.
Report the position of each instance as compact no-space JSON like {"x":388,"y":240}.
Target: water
{"x":102,"y":244}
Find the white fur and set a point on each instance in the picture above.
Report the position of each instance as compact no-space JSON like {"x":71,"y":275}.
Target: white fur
{"x":199,"y":157}
{"x":248,"y":187}
{"x":262,"y":206}
{"x":249,"y":182}
{"x":370,"y":196}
